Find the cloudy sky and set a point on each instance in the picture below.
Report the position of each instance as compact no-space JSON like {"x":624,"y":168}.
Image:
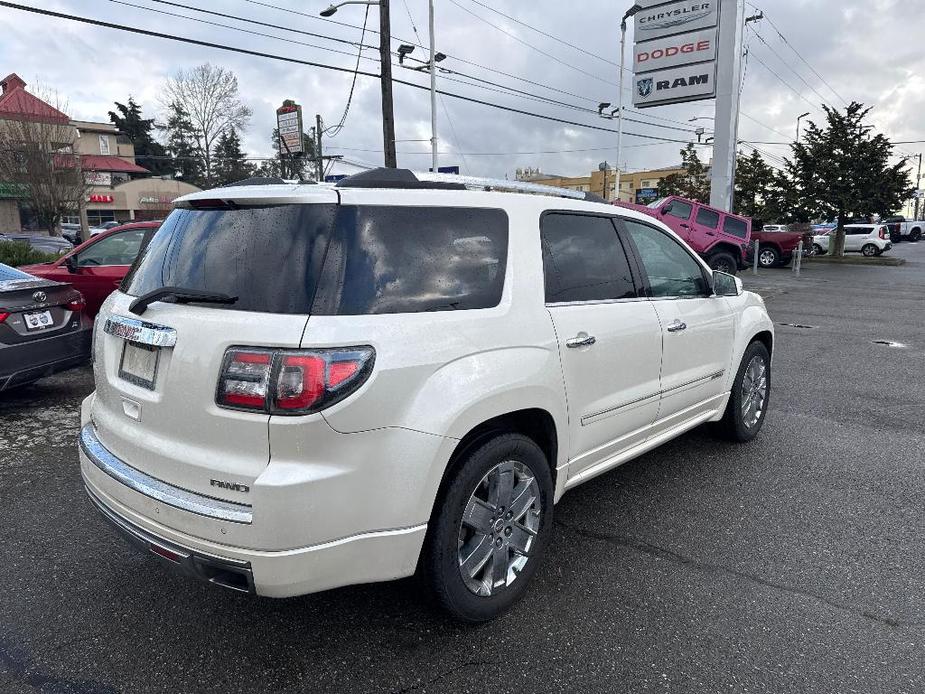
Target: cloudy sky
{"x":865,"y":50}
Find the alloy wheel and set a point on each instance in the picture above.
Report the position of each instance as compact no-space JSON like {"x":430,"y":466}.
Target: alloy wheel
{"x":499,"y":527}
{"x":754,"y":391}
{"x":767,"y":258}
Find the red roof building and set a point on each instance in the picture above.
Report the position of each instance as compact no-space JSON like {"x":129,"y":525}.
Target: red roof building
{"x":18,"y":104}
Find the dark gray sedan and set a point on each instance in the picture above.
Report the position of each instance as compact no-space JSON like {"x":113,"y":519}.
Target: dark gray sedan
{"x":43,"y":328}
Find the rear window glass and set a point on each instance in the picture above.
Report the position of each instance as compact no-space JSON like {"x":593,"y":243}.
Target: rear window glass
{"x":413,"y":259}
{"x":331,"y":260}
{"x":736,"y":227}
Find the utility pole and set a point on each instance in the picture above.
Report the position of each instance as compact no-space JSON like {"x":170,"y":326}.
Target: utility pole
{"x":385,"y":59}
{"x":918,"y":184}
{"x":728,"y":84}
{"x":433,"y":89}
{"x":319,"y":159}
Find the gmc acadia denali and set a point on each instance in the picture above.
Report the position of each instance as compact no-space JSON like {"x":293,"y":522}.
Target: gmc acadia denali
{"x":300,"y":386}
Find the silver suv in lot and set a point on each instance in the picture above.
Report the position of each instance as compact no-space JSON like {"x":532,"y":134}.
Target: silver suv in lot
{"x":300,"y":387}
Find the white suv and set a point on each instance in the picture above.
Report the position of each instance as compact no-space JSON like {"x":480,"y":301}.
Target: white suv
{"x":300,"y":387}
{"x":869,"y":239}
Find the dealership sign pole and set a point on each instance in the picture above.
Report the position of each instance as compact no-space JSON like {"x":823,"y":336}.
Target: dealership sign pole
{"x":689,"y":51}
{"x":728,"y":87}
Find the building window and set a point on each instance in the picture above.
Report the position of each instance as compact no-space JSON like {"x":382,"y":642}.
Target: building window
{"x":104,"y":144}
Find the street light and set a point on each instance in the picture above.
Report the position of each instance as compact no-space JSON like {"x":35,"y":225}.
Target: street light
{"x":385,"y":72}
{"x":799,"y":118}
{"x":333,"y":8}
{"x":629,"y":13}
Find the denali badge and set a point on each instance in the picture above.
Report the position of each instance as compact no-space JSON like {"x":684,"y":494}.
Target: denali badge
{"x":233,"y":486}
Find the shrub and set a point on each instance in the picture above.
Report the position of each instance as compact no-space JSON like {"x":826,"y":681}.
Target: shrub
{"x":16,"y":253}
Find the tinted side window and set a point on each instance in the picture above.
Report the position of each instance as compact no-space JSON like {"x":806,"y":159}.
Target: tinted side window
{"x":670,"y":268}
{"x":681,"y":210}
{"x":707,"y":218}
{"x":583,"y":259}
{"x":119,"y":249}
{"x":736,"y":227}
{"x":385,"y":259}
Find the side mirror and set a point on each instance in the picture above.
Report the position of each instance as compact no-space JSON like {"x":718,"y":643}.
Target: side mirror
{"x":71,"y":263}
{"x":726,"y":285}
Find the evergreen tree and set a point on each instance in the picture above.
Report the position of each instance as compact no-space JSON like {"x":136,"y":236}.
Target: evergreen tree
{"x":148,"y":152}
{"x":181,"y":146}
{"x":692,"y":184}
{"x":229,"y":163}
{"x":841,"y":171}
{"x":759,"y":189}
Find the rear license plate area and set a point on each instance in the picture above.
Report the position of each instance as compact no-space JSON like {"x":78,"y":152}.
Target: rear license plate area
{"x":139,"y":364}
{"x":39,"y":320}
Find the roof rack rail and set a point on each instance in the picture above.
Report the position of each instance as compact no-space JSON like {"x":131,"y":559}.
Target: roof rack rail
{"x":503,"y":184}
{"x":405,"y":178}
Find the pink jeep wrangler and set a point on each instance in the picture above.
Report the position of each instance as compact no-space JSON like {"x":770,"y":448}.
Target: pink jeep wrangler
{"x":719,"y":237}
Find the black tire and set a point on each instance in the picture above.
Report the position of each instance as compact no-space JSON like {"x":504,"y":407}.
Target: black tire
{"x":768,"y":256}
{"x":818,"y":250}
{"x":732,"y":426}
{"x":723,"y":262}
{"x":440,"y":560}
{"x":870,"y":250}
{"x":915,"y":235}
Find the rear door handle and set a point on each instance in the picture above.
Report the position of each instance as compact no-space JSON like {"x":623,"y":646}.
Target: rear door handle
{"x":580,"y":340}
{"x":677,"y":326}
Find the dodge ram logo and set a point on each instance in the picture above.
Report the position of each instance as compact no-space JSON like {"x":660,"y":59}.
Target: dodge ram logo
{"x":644,"y":86}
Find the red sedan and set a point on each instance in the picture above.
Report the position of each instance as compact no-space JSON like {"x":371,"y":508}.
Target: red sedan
{"x":97,"y":266}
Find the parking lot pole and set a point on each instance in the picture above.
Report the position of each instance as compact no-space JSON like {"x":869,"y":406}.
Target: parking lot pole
{"x":755,"y":259}
{"x":798,"y":264}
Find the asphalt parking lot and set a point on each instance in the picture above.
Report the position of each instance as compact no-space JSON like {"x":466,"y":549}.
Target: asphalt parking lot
{"x":793,"y":564}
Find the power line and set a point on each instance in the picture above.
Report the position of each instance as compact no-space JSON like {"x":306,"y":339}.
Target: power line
{"x":798,"y":54}
{"x":784,"y":82}
{"x":334,"y":131}
{"x":531,"y":46}
{"x":271,"y":56}
{"x":528,"y":95}
{"x":509,"y":154}
{"x":799,"y":76}
{"x":548,"y":35}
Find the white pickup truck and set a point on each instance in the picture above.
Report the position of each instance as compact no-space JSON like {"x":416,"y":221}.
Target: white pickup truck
{"x":902,"y":229}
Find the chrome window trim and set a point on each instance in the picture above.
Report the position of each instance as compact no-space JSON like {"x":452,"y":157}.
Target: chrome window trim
{"x":157,"y":489}
{"x":597,"y":302}
{"x":135,"y":330}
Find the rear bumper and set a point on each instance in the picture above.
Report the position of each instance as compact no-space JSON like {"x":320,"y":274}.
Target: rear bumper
{"x":139,"y":509}
{"x":29,"y":361}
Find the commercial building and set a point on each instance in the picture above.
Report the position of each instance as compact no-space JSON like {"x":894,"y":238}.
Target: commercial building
{"x":118,"y":188}
{"x":635,"y":186}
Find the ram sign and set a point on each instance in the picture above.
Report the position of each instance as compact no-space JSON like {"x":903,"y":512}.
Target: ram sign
{"x":674,"y":56}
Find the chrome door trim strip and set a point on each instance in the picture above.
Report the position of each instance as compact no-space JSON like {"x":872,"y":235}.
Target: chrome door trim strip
{"x":145,"y":333}
{"x":587,"y":419}
{"x":154,"y":488}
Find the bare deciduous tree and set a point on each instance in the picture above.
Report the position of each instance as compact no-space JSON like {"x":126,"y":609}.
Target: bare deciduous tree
{"x":38,"y":156}
{"x":209,"y":96}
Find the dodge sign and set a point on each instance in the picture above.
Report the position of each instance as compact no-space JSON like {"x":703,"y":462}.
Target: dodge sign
{"x":697,"y":47}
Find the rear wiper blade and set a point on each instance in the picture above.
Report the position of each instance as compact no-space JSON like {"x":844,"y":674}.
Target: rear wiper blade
{"x":180,"y":296}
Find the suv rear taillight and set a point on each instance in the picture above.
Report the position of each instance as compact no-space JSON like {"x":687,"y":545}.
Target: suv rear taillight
{"x":290,"y":381}
{"x":882,"y":231}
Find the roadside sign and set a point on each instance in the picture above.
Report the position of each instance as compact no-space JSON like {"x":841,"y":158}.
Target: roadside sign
{"x":675,"y":85}
{"x":675,"y":51}
{"x":675,"y":18}
{"x":334,"y":178}
{"x":289,"y":125}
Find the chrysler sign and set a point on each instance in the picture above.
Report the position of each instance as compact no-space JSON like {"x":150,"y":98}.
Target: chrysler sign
{"x":675,"y":18}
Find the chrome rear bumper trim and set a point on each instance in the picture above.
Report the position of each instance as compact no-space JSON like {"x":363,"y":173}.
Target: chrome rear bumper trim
{"x":135,"y":330}
{"x":228,"y":573}
{"x":157,"y":489}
